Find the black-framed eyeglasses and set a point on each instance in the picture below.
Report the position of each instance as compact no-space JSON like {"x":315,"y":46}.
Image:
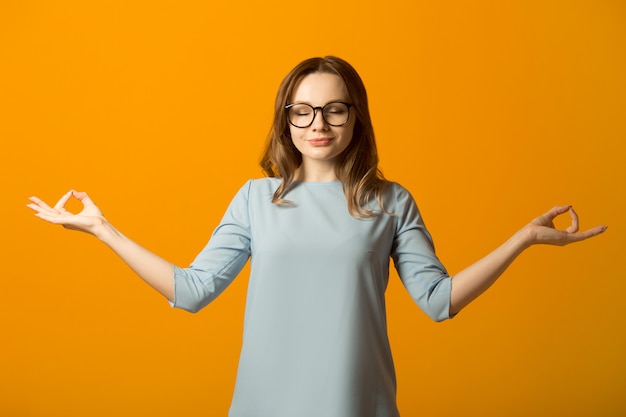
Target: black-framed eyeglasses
{"x":335,"y":113}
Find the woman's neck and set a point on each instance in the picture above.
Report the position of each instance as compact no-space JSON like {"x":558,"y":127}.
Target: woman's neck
{"x":316,"y":173}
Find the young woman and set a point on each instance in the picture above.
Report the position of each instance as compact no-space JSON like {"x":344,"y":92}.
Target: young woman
{"x":320,"y":232}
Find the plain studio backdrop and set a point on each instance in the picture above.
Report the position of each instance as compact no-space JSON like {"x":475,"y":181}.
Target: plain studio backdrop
{"x":489,"y":112}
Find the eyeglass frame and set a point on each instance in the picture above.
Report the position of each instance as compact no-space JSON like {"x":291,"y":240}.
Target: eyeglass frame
{"x":315,"y":109}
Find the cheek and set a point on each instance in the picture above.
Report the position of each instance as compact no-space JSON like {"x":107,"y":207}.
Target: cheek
{"x":348,"y":133}
{"x":293,"y":132}
{"x":296,"y":137}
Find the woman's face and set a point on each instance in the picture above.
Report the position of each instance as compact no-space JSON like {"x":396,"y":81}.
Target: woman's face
{"x":321,"y":143}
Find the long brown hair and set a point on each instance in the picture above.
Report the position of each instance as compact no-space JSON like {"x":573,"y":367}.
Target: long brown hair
{"x":357,"y":166}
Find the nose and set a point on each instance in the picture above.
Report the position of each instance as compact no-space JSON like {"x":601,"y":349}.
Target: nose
{"x":319,"y":123}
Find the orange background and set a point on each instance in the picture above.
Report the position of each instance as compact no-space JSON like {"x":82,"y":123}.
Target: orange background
{"x":489,"y":112}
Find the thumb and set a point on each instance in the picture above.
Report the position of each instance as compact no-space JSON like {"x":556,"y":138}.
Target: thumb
{"x":82,"y":196}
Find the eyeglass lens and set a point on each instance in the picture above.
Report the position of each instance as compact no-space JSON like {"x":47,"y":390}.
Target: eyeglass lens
{"x":334,"y":114}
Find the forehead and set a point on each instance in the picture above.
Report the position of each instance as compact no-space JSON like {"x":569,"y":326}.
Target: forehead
{"x":320,"y":88}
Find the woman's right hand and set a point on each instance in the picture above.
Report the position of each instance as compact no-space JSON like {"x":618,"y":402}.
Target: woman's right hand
{"x":88,"y":220}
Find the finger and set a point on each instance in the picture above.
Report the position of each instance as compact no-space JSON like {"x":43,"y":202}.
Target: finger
{"x":49,"y":218}
{"x":574,"y":226}
{"x":33,"y":206}
{"x":40,"y":205}
{"x":546,"y":218}
{"x":82,"y":197}
{"x":556,"y":211}
{"x":39,"y":202}
{"x":576,"y":237}
{"x":60,"y":205}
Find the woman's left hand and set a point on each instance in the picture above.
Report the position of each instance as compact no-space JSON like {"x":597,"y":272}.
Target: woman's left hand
{"x":543,"y":231}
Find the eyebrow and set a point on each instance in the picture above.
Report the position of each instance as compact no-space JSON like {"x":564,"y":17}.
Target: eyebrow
{"x":331,"y":101}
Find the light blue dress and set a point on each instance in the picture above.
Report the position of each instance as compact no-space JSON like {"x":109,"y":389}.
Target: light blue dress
{"x":315,"y":334}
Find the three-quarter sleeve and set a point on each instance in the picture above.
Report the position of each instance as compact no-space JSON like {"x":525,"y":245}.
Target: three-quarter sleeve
{"x":220,"y":261}
{"x":413,"y":254}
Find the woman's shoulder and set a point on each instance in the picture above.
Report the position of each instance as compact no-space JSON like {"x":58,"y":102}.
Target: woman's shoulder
{"x":260,"y":183}
{"x":260,"y":187}
{"x":264,"y":183}
{"x":394,"y":189}
{"x":397,"y":197}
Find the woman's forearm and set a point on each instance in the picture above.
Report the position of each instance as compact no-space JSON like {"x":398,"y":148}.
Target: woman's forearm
{"x":154,"y":270}
{"x":471,"y":282}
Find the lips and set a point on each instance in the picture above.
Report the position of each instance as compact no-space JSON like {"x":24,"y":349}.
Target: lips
{"x":319,"y":141}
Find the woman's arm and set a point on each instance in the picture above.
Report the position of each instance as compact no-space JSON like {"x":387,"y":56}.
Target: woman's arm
{"x":156,"y":271}
{"x":475,"y":279}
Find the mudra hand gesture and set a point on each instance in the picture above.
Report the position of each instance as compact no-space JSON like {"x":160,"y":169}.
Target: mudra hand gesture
{"x":87,"y":220}
{"x":543,"y":231}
